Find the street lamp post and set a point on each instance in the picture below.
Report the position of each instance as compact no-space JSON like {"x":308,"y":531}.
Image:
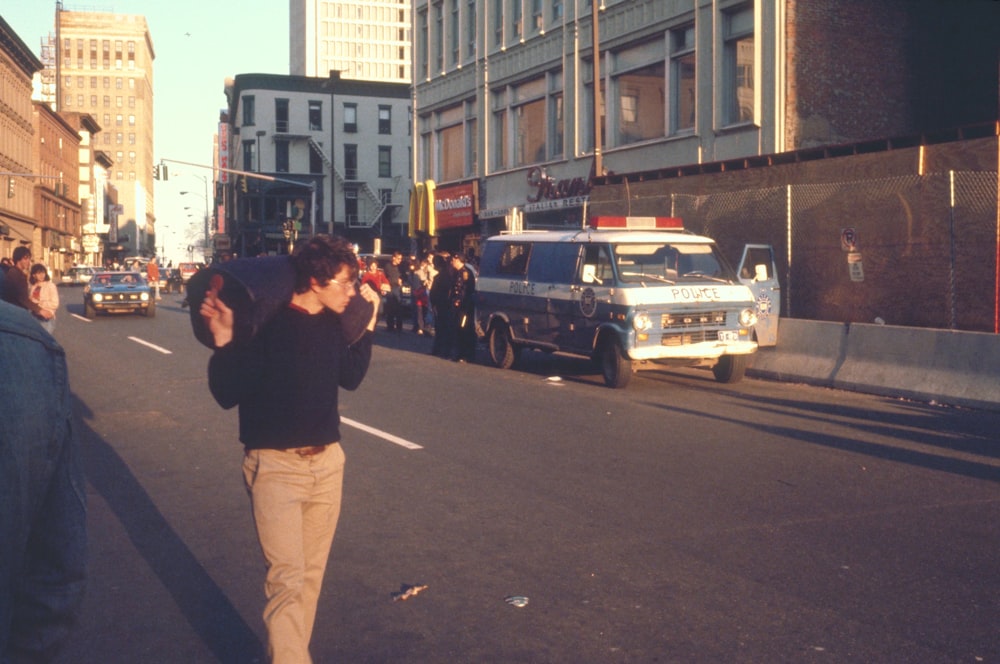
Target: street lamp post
{"x":183,"y":193}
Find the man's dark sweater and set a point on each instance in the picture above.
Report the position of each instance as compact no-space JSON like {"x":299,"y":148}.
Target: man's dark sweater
{"x":285,"y":380}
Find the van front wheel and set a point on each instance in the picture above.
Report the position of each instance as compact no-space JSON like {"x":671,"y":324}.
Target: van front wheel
{"x":615,"y":365}
{"x":730,"y":368}
{"x":502,"y":350}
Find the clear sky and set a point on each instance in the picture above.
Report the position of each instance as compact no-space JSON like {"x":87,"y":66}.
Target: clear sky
{"x":198,"y":45}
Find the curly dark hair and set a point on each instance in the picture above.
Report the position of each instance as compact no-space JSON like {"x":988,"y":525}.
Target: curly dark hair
{"x":322,"y":258}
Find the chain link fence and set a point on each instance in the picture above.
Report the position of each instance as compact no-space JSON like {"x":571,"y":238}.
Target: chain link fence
{"x":915,"y":250}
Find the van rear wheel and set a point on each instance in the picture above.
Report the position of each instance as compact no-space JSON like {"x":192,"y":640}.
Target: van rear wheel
{"x":503,"y":351}
{"x":615,"y":365}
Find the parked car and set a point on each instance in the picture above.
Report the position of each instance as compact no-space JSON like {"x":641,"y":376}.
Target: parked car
{"x":78,"y":275}
{"x":118,"y":292}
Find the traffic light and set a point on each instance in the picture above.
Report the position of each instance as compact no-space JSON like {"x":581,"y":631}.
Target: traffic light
{"x":160,"y":172}
{"x":243,"y":183}
{"x":10,"y":187}
{"x":156,"y":172}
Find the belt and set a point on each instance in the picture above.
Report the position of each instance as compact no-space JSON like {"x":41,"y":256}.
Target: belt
{"x":309,"y":451}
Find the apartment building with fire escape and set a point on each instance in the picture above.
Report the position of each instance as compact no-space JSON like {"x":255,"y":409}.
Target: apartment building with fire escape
{"x":319,"y":155}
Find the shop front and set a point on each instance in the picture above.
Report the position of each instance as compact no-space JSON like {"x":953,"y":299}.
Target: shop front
{"x":445,"y":218}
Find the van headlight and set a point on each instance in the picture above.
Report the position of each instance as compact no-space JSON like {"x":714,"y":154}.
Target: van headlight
{"x":748,"y":318}
{"x":642,"y":322}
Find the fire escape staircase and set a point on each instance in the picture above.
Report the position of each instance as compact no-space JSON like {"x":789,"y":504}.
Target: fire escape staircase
{"x":371,"y":210}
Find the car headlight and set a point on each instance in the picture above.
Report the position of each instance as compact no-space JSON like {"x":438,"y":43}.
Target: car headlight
{"x":748,"y":318}
{"x":144,"y":297}
{"x":98,"y":297}
{"x":642,"y":322}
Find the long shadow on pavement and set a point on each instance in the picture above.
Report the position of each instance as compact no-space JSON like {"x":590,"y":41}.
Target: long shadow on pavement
{"x":200,"y":600}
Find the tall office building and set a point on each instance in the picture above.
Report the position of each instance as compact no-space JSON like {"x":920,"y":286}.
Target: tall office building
{"x":104,"y":67}
{"x":365,"y":40}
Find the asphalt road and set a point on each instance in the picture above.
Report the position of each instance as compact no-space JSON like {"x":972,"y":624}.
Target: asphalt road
{"x":678,"y":520}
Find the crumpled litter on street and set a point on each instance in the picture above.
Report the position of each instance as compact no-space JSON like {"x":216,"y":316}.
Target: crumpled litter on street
{"x":406,"y":591}
{"x":520,"y":601}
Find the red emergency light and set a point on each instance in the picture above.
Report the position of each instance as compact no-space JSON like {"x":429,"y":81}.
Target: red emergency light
{"x":637,"y":223}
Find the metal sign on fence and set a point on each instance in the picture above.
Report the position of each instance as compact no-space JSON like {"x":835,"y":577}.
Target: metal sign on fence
{"x":854,"y":266}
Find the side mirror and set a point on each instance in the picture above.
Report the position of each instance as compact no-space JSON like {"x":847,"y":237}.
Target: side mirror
{"x":589,"y":275}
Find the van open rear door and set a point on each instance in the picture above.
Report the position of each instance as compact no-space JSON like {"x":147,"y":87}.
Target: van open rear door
{"x":759,"y":271}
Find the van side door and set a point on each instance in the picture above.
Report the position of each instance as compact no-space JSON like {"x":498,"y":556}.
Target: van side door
{"x":759,"y":271}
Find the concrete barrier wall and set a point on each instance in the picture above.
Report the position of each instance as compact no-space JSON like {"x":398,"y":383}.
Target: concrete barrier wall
{"x":956,"y":368}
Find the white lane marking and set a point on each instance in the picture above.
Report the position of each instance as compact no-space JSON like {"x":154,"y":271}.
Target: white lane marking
{"x":153,"y":346}
{"x":83,"y":318}
{"x":381,"y":434}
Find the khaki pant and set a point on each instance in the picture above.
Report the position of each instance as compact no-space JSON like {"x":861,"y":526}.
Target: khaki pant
{"x":295,"y":501}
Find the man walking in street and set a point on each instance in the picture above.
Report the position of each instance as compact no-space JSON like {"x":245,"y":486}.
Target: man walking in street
{"x":285,"y":381}
{"x":15,"y":284}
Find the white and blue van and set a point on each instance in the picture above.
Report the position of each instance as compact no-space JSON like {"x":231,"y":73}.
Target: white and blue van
{"x":629,"y":292}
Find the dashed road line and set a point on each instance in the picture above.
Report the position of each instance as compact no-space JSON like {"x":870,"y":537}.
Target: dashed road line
{"x":159,"y":349}
{"x":402,"y":442}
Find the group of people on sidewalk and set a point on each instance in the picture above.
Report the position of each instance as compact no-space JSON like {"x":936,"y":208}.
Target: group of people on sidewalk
{"x":30,"y":287}
{"x":442,"y":299}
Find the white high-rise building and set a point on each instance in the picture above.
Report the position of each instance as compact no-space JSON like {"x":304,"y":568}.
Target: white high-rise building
{"x":365,"y":40}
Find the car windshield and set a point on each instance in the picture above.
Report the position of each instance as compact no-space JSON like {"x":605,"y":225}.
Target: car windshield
{"x":118,"y":279}
{"x":670,"y":263}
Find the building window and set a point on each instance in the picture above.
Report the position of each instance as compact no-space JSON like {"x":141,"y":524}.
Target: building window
{"x":470,"y":30}
{"x":537,"y":22}
{"x":281,"y":156}
{"x":556,"y":124}
{"x":315,"y":160}
{"x":350,"y":118}
{"x":249,"y":155}
{"x":281,"y":116}
{"x":497,"y":22}
{"x":385,"y":197}
{"x":501,"y":154}
{"x":638,"y":90}
{"x":351,"y":205}
{"x":350,"y":161}
{"x":682,"y":79}
{"x":450,"y":144}
{"x":385,"y":161}
{"x":384,"y":119}
{"x":249,"y":110}
{"x":738,"y":61}
{"x":517,"y":21}
{"x":438,"y":38}
{"x":453,"y":34}
{"x":422,"y":45}
{"x":315,"y":115}
{"x":557,"y":10}
{"x":529,"y":123}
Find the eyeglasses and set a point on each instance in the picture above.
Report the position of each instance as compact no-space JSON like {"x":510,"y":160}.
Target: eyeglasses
{"x":346,"y":285}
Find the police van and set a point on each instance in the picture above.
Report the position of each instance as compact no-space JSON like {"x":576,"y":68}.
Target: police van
{"x":629,"y":292}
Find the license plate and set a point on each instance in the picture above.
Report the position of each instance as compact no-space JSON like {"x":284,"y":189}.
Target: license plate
{"x":729,"y":335}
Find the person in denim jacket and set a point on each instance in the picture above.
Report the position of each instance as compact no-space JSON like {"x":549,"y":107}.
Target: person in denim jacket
{"x":42,"y":499}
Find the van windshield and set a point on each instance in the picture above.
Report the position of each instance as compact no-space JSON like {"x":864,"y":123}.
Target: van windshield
{"x":670,"y":263}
